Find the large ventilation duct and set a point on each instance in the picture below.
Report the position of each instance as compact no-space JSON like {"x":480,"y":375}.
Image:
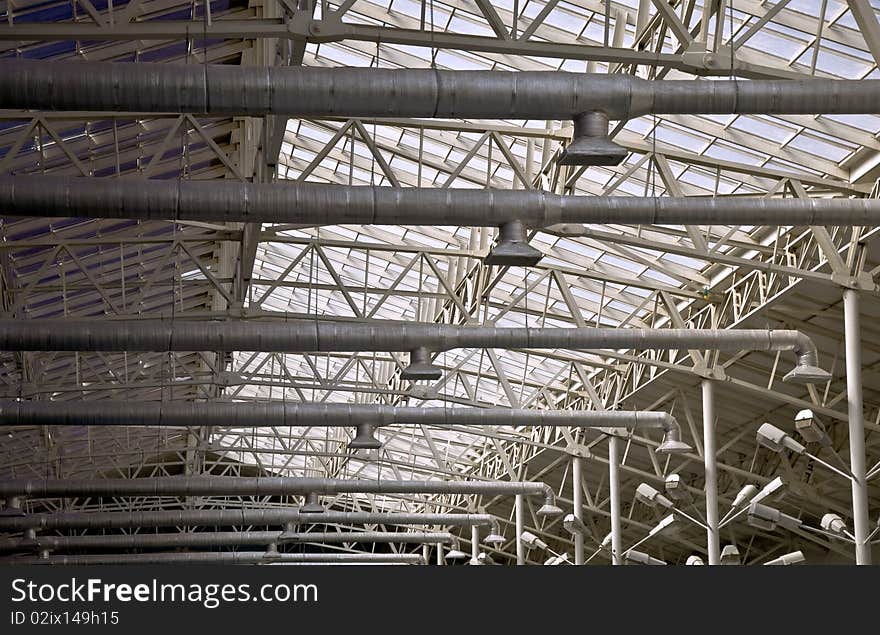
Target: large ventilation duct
{"x":258,"y":486}
{"x":318,"y":204}
{"x":268,"y":486}
{"x":219,"y":557}
{"x":217,"y":539}
{"x":314,"y":204}
{"x":229,"y":518}
{"x":254,"y":415}
{"x":308,"y":336}
{"x":589,"y":100}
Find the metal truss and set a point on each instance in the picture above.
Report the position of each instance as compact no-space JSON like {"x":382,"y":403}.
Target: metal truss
{"x":648,"y":276}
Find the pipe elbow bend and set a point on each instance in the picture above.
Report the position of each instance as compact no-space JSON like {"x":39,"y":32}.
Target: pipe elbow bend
{"x":672,"y":443}
{"x":805,"y":349}
{"x":806,"y":370}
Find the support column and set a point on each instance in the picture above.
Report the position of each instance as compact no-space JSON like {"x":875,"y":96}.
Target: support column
{"x":440,"y":553}
{"x":853,"y":336}
{"x":614,"y":499}
{"x":577,"y":499}
{"x":426,"y":553}
{"x":475,"y":543}
{"x":713,"y":545}
{"x":520,"y":526}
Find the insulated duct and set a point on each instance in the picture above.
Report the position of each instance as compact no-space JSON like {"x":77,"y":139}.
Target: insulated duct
{"x":268,"y":486}
{"x":311,"y":336}
{"x":258,"y":486}
{"x":227,"y":414}
{"x":219,"y":557}
{"x":318,"y":204}
{"x":368,"y":92}
{"x":228,"y":518}
{"x":589,"y":100}
{"x":217,"y":539}
{"x":514,"y":211}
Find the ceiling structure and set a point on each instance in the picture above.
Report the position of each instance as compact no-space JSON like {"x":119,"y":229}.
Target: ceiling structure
{"x":714,"y":276}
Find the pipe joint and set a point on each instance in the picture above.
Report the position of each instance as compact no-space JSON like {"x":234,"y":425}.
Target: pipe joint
{"x":420,"y":367}
{"x":312,"y":504}
{"x":672,"y":443}
{"x":590,"y":144}
{"x":14,"y":506}
{"x":549,"y":508}
{"x":512,"y":248}
{"x":807,"y":370}
{"x":365,"y":438}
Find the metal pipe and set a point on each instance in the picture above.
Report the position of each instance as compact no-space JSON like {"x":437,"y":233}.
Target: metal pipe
{"x":247,"y":415}
{"x":258,"y":486}
{"x":302,"y":336}
{"x":227,"y":517}
{"x":475,"y":544}
{"x":214,"y":539}
{"x":614,"y":500}
{"x":219,"y":557}
{"x":519,"y":510}
{"x":367,"y":92}
{"x":855,"y":412}
{"x":319,"y":204}
{"x":440,"y":560}
{"x":578,"y":502}
{"x":713,"y":544}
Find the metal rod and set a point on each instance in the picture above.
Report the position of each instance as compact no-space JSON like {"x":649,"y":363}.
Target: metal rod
{"x":520,"y":527}
{"x":577,"y":501}
{"x":713,"y":544}
{"x":614,"y":500}
{"x":853,"y":336}
{"x":475,"y":544}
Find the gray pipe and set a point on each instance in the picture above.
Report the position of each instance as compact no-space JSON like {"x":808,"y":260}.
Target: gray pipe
{"x":321,"y":336}
{"x":363,"y":92}
{"x":220,"y":557}
{"x":259,"y":486}
{"x":317,"y":204}
{"x":228,"y":517}
{"x":216,"y":539}
{"x":249,"y":415}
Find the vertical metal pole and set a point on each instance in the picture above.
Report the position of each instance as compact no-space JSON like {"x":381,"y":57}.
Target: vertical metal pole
{"x":703,"y":37}
{"x":577,"y":499}
{"x":426,"y":553}
{"x":475,"y":543}
{"x":520,"y":525}
{"x":856,"y":415}
{"x":614,"y":499}
{"x":439,"y":553}
{"x":713,"y":544}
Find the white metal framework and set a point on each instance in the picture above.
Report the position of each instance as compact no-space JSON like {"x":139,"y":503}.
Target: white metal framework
{"x":819,"y":280}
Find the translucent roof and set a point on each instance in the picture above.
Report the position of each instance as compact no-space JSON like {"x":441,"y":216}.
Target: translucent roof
{"x":597,"y":275}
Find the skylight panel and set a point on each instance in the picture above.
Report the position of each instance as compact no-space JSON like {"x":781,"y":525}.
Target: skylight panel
{"x":820,"y":148}
{"x":727,"y":152}
{"x":760,"y":127}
